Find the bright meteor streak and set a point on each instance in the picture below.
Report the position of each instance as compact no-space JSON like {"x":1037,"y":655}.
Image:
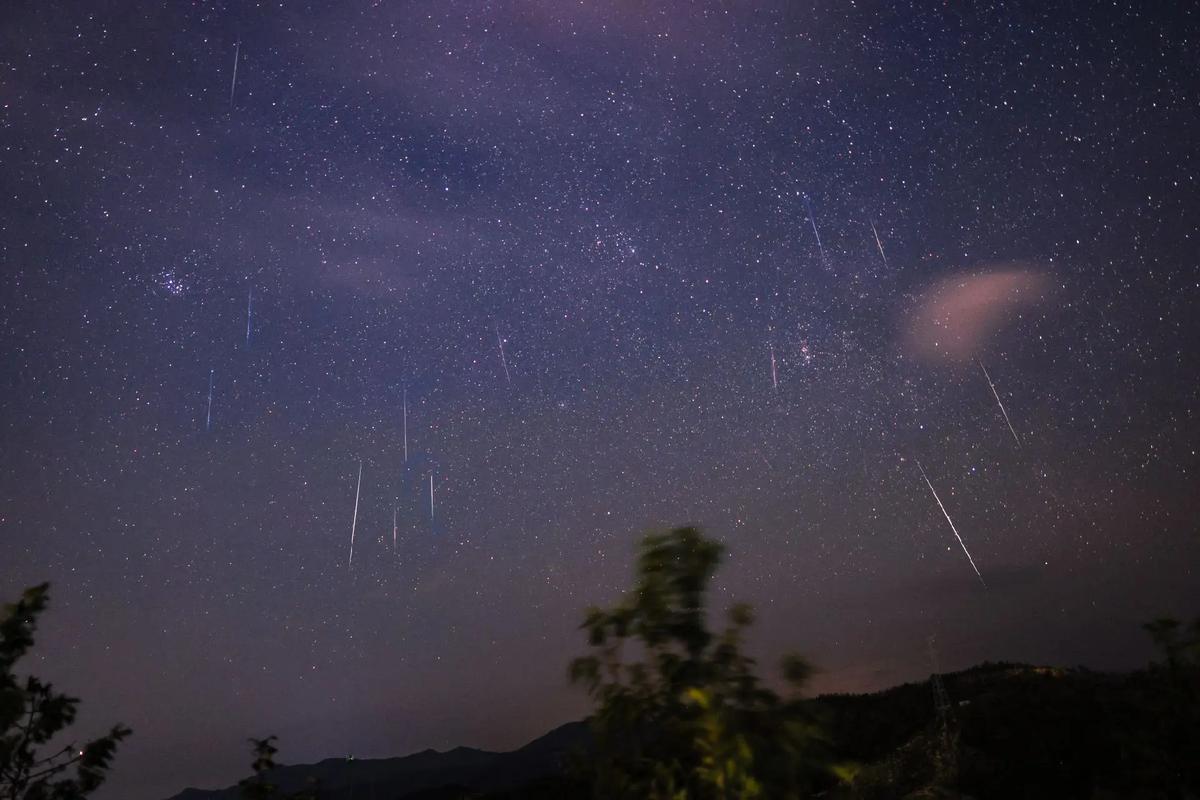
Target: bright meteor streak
{"x":812,"y":221}
{"x":999,"y":403}
{"x":879,"y":244}
{"x":208,"y":414}
{"x":354,"y":521}
{"x":952,"y":527}
{"x":503,"y":360}
{"x":237,"y":51}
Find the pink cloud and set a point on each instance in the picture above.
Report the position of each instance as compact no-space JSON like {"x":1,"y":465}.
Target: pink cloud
{"x":955,"y":317}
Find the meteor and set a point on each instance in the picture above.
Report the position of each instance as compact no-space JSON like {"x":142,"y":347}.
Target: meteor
{"x":354,"y":521}
{"x":812,"y":221}
{"x":947,"y":516}
{"x":996,"y":394}
{"x":233,"y":84}
{"x":208,"y":415}
{"x":503,"y":361}
{"x":878,"y":244}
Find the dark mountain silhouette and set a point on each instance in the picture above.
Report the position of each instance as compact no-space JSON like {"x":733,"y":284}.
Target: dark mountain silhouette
{"x":427,"y":775}
{"x":1017,"y":731}
{"x":1022,"y":731}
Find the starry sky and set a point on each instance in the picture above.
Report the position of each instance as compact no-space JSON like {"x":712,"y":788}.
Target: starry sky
{"x":592,"y":267}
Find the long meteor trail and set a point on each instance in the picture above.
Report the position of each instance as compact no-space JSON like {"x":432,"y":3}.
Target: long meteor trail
{"x":952,"y":527}
{"x":354,"y":521}
{"x":237,"y":50}
{"x":208,"y":415}
{"x":774,"y":371}
{"x":249,"y":312}
{"x":879,"y":244}
{"x":503,"y":360}
{"x":1003,"y":411}
{"x":813,"y":221}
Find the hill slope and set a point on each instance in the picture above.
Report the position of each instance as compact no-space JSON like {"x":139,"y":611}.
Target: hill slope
{"x":1016,"y":731}
{"x":1021,"y":731}
{"x":427,"y":774}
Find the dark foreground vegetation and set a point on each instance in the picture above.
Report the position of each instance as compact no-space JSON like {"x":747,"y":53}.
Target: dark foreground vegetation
{"x":35,"y":762}
{"x":681,"y":713}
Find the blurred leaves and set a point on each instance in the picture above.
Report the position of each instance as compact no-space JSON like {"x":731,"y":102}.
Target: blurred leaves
{"x":681,"y":712}
{"x":32,"y":714}
{"x":259,"y":786}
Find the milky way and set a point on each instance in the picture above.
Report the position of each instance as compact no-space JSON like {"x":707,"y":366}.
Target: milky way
{"x":561,"y":262}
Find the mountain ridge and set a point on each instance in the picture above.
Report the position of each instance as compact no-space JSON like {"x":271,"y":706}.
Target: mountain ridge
{"x":461,"y":768}
{"x":1018,"y":730}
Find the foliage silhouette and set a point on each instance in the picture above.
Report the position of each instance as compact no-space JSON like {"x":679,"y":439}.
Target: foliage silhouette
{"x":1029,"y":731}
{"x":32,"y":714}
{"x":1172,"y":700}
{"x":259,"y":787}
{"x":686,"y":732}
{"x":692,"y":720}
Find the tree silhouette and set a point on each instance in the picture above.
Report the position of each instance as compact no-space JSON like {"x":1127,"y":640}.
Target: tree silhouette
{"x":259,"y":787}
{"x":32,"y":714}
{"x":1174,"y":702}
{"x":1180,"y":645}
{"x":691,"y":721}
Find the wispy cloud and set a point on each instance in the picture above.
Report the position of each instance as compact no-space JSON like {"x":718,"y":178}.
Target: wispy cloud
{"x":956,"y":317}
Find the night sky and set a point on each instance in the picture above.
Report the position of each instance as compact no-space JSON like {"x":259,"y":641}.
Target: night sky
{"x":615,"y":266}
